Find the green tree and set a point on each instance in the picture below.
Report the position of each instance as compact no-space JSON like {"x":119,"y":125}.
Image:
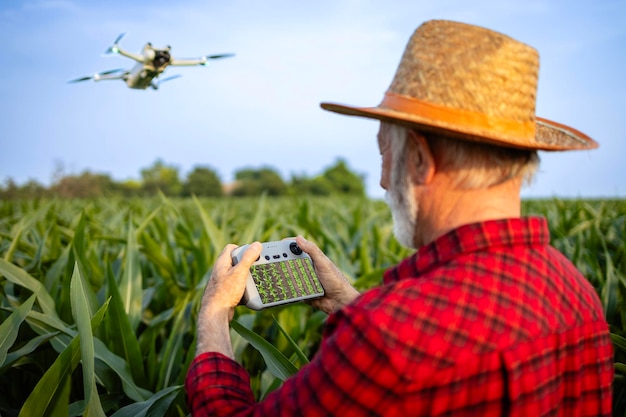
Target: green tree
{"x":33,"y":189}
{"x":319,"y":186}
{"x":203,"y":182}
{"x":129,"y":188}
{"x":10,"y":190}
{"x":344,"y":181}
{"x":254,"y":182}
{"x":161,"y":177}
{"x":85,"y":185}
{"x":336,"y":179}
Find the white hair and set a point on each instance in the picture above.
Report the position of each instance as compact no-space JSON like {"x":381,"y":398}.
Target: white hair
{"x":473,"y":165}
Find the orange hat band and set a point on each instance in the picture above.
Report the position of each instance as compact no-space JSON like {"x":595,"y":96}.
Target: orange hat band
{"x":458,"y":117}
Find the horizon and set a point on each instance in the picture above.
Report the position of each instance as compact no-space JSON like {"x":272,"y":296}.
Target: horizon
{"x":261,"y":107}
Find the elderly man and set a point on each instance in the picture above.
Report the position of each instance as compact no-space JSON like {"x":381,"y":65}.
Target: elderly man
{"x":486,"y":318}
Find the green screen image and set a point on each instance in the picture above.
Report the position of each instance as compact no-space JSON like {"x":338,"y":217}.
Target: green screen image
{"x":285,"y":280}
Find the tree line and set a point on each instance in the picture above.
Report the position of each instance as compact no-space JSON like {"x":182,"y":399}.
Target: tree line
{"x":201,"y":181}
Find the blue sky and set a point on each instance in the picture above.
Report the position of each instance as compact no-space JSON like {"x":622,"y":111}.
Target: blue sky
{"x":261,"y":107}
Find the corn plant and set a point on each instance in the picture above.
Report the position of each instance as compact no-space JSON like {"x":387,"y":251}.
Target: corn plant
{"x":98,"y":298}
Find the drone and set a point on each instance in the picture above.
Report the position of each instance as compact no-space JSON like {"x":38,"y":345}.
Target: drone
{"x":151,"y":63}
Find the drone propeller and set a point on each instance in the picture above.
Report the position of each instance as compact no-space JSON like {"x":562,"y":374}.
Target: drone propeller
{"x":81,"y":79}
{"x":96,"y":76}
{"x":155,"y":85}
{"x":113,"y":49}
{"x":209,"y":57}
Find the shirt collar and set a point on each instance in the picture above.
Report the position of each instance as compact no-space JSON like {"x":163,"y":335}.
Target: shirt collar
{"x":529,"y":231}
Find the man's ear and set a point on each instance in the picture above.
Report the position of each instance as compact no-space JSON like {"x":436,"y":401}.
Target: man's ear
{"x":421,"y":162}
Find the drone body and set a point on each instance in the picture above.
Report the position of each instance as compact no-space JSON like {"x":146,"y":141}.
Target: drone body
{"x":151,"y":63}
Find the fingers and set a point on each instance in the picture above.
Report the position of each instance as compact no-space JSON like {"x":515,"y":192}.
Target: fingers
{"x":227,"y":283}
{"x":309,"y":247}
{"x":320,"y":260}
{"x":224,"y":260}
{"x":251,"y":254}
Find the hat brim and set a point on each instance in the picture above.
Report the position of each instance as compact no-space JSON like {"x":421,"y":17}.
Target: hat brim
{"x":549,"y":135}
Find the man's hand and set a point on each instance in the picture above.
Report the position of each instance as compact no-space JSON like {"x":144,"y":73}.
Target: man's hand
{"x":337,"y":289}
{"x":221,"y":295}
{"x":227,"y":284}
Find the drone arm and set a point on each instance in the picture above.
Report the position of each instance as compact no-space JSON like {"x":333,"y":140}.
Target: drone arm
{"x":111,"y":77}
{"x":188,"y":62}
{"x":116,"y":74}
{"x":197,"y":61}
{"x":136,"y":57}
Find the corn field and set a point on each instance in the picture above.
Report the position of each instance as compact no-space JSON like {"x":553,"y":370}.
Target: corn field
{"x":98,"y":298}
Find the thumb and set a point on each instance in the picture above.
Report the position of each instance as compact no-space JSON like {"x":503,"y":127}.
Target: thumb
{"x":250,"y":256}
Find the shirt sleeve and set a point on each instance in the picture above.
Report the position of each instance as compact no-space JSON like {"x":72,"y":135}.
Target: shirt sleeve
{"x":349,"y":376}
{"x":217,"y":385}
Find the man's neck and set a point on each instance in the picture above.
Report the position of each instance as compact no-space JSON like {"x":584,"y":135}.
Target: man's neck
{"x":443,"y":209}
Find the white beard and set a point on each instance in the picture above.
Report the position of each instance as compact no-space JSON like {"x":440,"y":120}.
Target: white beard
{"x":401,"y":200}
{"x":400,"y":195}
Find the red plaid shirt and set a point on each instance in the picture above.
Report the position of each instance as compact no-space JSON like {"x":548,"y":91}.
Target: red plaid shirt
{"x":487,"y":320}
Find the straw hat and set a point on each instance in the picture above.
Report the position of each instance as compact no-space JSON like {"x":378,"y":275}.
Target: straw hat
{"x":471,"y":83}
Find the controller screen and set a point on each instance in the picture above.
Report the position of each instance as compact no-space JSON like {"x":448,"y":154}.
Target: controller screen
{"x":284,"y":280}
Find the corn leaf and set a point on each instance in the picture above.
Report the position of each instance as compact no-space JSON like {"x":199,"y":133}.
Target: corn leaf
{"x":609,"y":291}
{"x":619,"y":342}
{"x":82,"y":317}
{"x":153,"y":251}
{"x":160,"y":401}
{"x":121,"y":334}
{"x":299,"y":353}
{"x":25,"y":224}
{"x":216,"y":236}
{"x":147,"y":221}
{"x":172,"y":354}
{"x":130,"y":284}
{"x":20,"y":277}
{"x":148,"y":343}
{"x":254,"y":229}
{"x":50,"y":397}
{"x":620,"y":367}
{"x":276,"y":362}
{"x":120,"y":367}
{"x":10,"y":327}
{"x":26,"y":349}
{"x":43,"y":325}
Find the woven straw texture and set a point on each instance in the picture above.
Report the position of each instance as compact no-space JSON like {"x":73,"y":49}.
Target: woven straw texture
{"x":440,"y":66}
{"x":472,"y":83}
